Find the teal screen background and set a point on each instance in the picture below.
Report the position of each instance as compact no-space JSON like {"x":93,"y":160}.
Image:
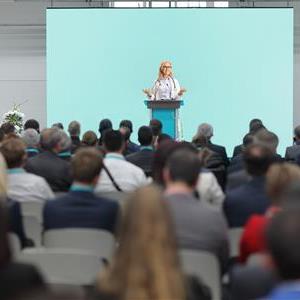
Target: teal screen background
{"x":236,"y":64}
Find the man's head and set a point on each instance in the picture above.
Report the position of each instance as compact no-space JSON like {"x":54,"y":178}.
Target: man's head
{"x":51,"y":140}
{"x":283,"y":243}
{"x":104,"y":125}
{"x":297,"y":133}
{"x":205,"y":130}
{"x":89,"y":138}
{"x":74,"y":128}
{"x":113,"y":141}
{"x":267,"y":138}
{"x":14,"y":152}
{"x":31,"y":138}
{"x":255,"y":125}
{"x":127,"y":124}
{"x":156,"y":126}
{"x":7,"y":128}
{"x":183,"y":166}
{"x":65,"y":141}
{"x":86,"y":166}
{"x":257,"y":159}
{"x":145,"y":136}
{"x":58,"y":125}
{"x":32,"y":124}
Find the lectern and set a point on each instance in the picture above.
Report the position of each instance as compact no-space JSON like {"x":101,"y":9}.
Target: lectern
{"x":167,"y":111}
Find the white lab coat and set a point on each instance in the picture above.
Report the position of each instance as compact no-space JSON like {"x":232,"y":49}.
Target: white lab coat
{"x":165,"y":89}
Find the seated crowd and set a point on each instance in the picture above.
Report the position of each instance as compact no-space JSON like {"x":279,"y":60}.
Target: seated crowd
{"x":157,"y":198}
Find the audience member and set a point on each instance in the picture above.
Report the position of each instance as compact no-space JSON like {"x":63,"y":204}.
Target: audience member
{"x":80,"y":208}
{"x":22,"y":186}
{"x":74,"y":131}
{"x":48,"y":164}
{"x":250,"y":198}
{"x":7,"y":128}
{"x":104,"y":125}
{"x":89,"y":139}
{"x":255,"y":125}
{"x":156,"y":127}
{"x":282,"y":238}
{"x":118,"y":174}
{"x":131,"y":147}
{"x":58,"y":126}
{"x":15,"y":278}
{"x":146,"y":218}
{"x":32,"y":124}
{"x":31,"y":138}
{"x":292,"y":152}
{"x":66,"y":145}
{"x":144,"y":158}
{"x":197,"y":225}
{"x":278,"y":178}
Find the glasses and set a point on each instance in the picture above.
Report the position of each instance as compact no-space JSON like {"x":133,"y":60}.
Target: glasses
{"x":167,"y":67}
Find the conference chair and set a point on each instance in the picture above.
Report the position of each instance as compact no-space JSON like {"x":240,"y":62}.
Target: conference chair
{"x":64,"y":266}
{"x":205,"y":266}
{"x":235,"y":235}
{"x":15,"y":244}
{"x":33,"y":229}
{"x":32,"y":208}
{"x":96,"y":241}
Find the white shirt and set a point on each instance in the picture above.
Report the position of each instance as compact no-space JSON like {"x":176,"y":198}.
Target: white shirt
{"x":24,"y":186}
{"x":128,"y":176}
{"x":166,"y":89}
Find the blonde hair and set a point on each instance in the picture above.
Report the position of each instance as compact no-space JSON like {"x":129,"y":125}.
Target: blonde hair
{"x":160,"y":73}
{"x":278,"y":178}
{"x":3,"y":176}
{"x":146,"y":265}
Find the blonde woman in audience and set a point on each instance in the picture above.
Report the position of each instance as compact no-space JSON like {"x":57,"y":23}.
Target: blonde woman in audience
{"x":146,"y":264}
{"x":278,"y":178}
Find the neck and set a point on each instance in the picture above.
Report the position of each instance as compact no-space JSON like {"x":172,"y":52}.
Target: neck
{"x":178,"y":188}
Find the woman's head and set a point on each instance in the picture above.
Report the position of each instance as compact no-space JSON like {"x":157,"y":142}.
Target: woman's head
{"x":146,"y":265}
{"x":279,"y":176}
{"x":89,"y":138}
{"x":165,"y":69}
{"x":3,"y":177}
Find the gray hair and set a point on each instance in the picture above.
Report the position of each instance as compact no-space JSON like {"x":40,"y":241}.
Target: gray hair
{"x":30,"y":137}
{"x":267,"y":139}
{"x":205,"y":130}
{"x":50,"y":137}
{"x":74,"y":128}
{"x":65,"y":141}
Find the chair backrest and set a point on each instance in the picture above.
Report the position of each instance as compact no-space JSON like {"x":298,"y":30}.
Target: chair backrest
{"x":234,"y":241}
{"x":33,"y":229}
{"x":64,"y":266}
{"x":15,"y":244}
{"x":99,"y":242}
{"x":205,"y":266}
{"x":32,"y":208}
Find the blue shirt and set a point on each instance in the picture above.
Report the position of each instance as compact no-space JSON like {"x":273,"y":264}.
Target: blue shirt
{"x":286,"y":291}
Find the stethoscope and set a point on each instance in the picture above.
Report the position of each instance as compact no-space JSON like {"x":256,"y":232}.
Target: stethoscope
{"x":174,"y":84}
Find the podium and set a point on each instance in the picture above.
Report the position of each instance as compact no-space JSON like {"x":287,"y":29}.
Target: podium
{"x":167,"y":111}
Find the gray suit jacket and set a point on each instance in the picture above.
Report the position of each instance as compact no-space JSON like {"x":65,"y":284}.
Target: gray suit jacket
{"x":199,"y":226}
{"x":292,"y":152}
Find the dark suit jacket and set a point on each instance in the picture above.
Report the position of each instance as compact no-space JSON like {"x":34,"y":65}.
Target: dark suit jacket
{"x":131,"y":148}
{"x":236,"y":164}
{"x":75,"y":143}
{"x":250,"y":198}
{"x":16,"y":221}
{"x":292,"y":152}
{"x":80,"y":209}
{"x":55,"y":170}
{"x":18,"y":279}
{"x":220,"y":150}
{"x":237,"y":150}
{"x":142,"y":159}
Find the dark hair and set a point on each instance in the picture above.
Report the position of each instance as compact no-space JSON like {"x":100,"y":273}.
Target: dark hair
{"x":297,"y":132}
{"x":184,"y":165}
{"x":255,"y":125}
{"x":156,"y":126}
{"x":8,"y":128}
{"x":282,"y":238}
{"x":1,"y":135}
{"x":125,"y":131}
{"x":5,"y":254}
{"x":86,"y":164}
{"x":104,"y":124}
{"x":163,"y":137}
{"x":257,"y":159}
{"x":145,"y":136}
{"x":89,"y":138}
{"x":113,"y":140}
{"x":33,"y":124}
{"x":247,"y":140}
{"x":13,"y":150}
{"x":58,"y":125}
{"x":127,"y":124}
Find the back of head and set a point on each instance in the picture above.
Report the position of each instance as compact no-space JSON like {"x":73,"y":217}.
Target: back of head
{"x":89,"y":138}
{"x":30,"y":137}
{"x":86,"y":165}
{"x":127,"y":124}
{"x":283,"y":243}
{"x":184,"y":166}
{"x":58,"y":125}
{"x":74,"y":128}
{"x":278,"y":179}
{"x":266,"y":138}
{"x":205,"y":130}
{"x":145,"y":136}
{"x":8,"y":128}
{"x":156,"y":126}
{"x":13,"y":151}
{"x":255,"y":125}
{"x":65,"y":141}
{"x":248,"y":140}
{"x":113,"y":141}
{"x":50,"y":138}
{"x":257,"y":159}
{"x":104,"y":125}
{"x":297,"y":132}
{"x":32,"y":124}
{"x":146,"y":218}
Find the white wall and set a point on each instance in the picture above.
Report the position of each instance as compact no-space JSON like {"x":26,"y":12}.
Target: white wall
{"x":23,"y":51}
